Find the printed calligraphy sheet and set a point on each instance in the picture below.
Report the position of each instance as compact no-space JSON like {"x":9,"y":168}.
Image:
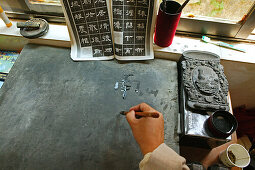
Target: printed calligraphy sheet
{"x":90,"y":29}
{"x":104,"y":29}
{"x":133,"y":25}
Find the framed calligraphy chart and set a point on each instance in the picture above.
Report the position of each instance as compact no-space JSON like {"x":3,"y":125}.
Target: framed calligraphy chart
{"x":107,"y":29}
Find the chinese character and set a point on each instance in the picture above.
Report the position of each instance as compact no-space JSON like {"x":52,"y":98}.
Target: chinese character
{"x":117,"y":25}
{"x":95,"y":40}
{"x":108,"y":50}
{"x":106,"y":38}
{"x":87,"y":2}
{"x":117,"y":50}
{"x":142,"y":2}
{"x":105,"y":26}
{"x":97,"y":51}
{"x":99,"y":1}
{"x":92,"y":27}
{"x":118,"y":0}
{"x":84,"y":41}
{"x":139,"y":37}
{"x":141,"y":13}
{"x":129,"y":25}
{"x":130,"y":12}
{"x":128,"y":37}
{"x":128,"y":50}
{"x":139,"y":50}
{"x":78,"y":16}
{"x":75,"y":4}
{"x":140,"y":25}
{"x":82,"y":29}
{"x":117,"y":11}
{"x":90,"y":14}
{"x":101,"y":13}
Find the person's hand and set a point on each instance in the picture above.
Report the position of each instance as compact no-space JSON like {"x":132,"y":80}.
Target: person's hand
{"x":148,"y":131}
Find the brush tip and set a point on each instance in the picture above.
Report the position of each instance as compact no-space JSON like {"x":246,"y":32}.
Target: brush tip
{"x":123,"y":113}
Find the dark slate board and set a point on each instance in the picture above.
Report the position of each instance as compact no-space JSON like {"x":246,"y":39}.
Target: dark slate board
{"x":60,"y":114}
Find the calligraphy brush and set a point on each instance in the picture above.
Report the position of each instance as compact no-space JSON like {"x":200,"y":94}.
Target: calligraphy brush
{"x":164,"y":5}
{"x":143,"y":114}
{"x":183,"y":5}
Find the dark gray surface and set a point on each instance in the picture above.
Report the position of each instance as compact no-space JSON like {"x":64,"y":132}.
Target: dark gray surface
{"x":60,"y":114}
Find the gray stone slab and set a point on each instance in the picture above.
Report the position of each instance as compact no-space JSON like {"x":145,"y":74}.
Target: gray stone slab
{"x":60,"y":114}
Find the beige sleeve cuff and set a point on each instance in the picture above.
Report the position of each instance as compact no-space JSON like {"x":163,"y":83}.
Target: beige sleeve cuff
{"x":163,"y":158}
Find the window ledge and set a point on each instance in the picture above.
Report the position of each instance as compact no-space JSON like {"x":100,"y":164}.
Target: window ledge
{"x":183,"y":43}
{"x":58,"y":36}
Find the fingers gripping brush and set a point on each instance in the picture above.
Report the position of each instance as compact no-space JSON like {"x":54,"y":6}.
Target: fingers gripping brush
{"x":142,"y":114}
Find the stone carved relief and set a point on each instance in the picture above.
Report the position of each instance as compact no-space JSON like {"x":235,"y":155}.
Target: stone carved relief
{"x":205,"y":84}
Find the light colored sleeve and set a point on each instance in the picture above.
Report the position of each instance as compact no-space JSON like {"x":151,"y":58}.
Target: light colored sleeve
{"x":163,"y":158}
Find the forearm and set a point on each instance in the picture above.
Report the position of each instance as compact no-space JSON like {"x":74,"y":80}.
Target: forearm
{"x":163,"y":158}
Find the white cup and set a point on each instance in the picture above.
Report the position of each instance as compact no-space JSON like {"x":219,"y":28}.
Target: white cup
{"x":235,"y":155}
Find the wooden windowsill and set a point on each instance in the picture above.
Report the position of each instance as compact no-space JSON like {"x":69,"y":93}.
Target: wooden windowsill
{"x":183,"y":43}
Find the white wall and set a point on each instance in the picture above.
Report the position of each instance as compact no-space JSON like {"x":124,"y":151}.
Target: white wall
{"x":241,"y":78}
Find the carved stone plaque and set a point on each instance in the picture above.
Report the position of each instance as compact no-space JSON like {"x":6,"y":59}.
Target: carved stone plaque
{"x":205,"y":84}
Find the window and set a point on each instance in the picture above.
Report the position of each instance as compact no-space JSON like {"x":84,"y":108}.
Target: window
{"x":50,"y":10}
{"x":54,"y":2}
{"x":221,"y":9}
{"x":45,"y":6}
{"x":40,"y":7}
{"x":229,"y":18}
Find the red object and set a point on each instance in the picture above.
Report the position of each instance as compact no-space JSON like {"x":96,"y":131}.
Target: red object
{"x":166,"y":24}
{"x":246,"y":122}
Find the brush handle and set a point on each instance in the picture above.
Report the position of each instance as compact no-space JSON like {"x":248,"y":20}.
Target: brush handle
{"x":164,"y":5}
{"x":146,"y":114}
{"x":183,"y":5}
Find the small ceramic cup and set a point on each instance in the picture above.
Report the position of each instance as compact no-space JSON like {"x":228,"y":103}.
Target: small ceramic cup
{"x":222,"y":124}
{"x":235,"y":155}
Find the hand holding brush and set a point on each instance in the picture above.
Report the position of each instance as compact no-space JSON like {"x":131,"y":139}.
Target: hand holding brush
{"x":148,"y":130}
